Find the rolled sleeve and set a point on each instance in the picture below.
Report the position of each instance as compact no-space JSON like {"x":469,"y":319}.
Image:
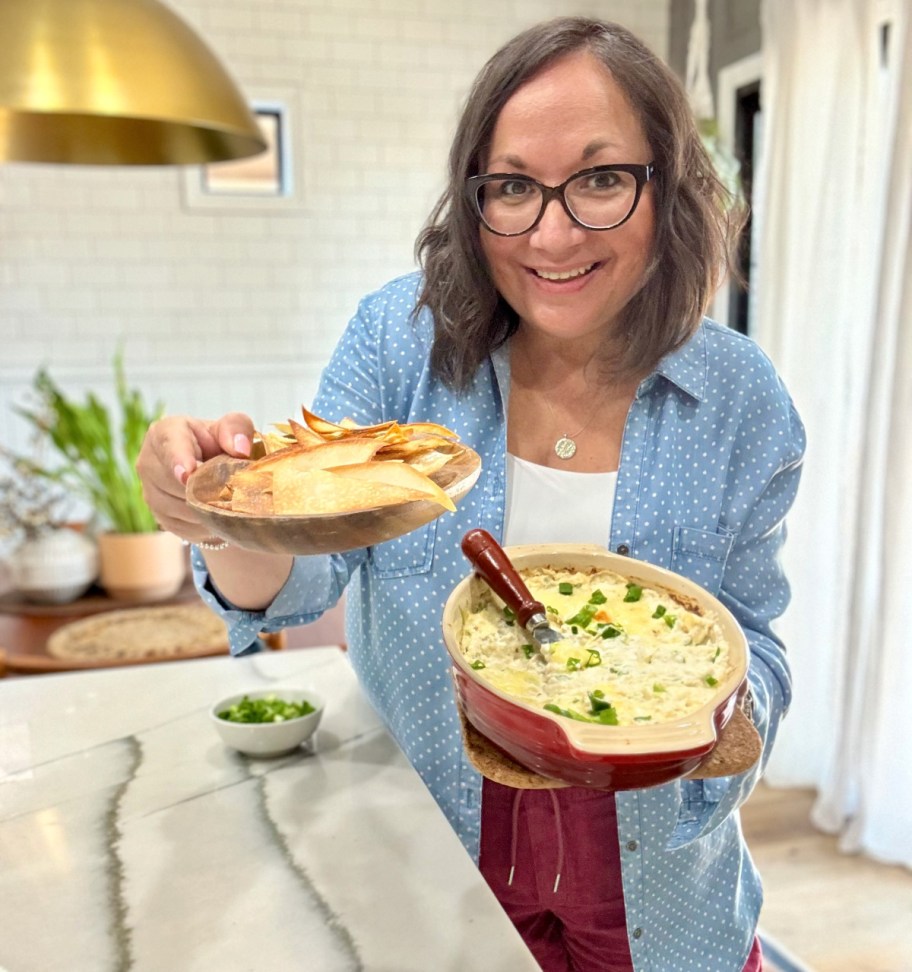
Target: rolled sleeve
{"x":313,"y":586}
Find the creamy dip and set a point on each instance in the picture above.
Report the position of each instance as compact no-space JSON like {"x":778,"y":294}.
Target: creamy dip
{"x":629,"y":654}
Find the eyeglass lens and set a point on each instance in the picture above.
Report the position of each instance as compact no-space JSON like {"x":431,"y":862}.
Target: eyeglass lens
{"x":600,"y":200}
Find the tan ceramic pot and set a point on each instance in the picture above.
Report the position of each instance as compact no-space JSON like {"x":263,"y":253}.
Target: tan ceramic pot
{"x":141,"y":566}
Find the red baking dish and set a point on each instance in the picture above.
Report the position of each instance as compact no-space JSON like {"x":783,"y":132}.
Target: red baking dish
{"x":587,"y":754}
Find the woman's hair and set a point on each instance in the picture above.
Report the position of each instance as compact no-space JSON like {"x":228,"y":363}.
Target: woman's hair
{"x":696,"y":221}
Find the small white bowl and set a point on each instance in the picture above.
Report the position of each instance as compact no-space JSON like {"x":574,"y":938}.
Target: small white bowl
{"x":268,"y":738}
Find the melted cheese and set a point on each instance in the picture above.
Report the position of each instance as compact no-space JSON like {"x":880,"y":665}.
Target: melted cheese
{"x":659,"y":661}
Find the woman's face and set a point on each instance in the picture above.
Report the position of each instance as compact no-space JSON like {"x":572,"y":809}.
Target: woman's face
{"x":562,"y":280}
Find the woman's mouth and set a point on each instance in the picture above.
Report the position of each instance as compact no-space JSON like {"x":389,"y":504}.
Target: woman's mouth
{"x":562,"y":275}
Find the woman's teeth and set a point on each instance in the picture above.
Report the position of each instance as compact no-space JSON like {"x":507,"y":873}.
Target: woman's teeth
{"x":563,"y":274}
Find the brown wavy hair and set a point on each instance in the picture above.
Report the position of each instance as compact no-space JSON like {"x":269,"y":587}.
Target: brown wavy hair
{"x":697,"y":219}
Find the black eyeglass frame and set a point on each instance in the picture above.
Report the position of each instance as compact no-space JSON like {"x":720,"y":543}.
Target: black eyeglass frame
{"x":641,"y":174}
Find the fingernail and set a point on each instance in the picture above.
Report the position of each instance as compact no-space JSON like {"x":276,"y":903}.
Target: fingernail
{"x":180,"y":474}
{"x":242,"y":445}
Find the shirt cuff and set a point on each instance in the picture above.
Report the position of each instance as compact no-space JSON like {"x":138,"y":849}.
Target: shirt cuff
{"x":308,"y":586}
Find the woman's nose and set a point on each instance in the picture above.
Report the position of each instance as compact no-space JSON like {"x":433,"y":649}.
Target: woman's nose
{"x":556,"y":228}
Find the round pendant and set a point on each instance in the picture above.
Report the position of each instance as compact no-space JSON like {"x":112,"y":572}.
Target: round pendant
{"x":565,"y":447}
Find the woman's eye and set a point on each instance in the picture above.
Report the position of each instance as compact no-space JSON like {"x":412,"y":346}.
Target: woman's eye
{"x":601,"y":180}
{"x":513,"y":189}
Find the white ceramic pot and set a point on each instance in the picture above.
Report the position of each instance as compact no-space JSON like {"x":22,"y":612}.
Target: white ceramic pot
{"x":55,"y":567}
{"x":141,"y":566}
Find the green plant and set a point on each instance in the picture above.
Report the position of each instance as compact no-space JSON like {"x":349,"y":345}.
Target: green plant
{"x":96,"y":453}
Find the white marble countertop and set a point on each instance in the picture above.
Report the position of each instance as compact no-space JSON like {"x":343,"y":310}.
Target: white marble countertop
{"x":132,"y":839}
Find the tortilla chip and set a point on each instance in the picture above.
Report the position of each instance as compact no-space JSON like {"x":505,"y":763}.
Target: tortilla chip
{"x":305,"y":436}
{"x":429,"y":428}
{"x":398,"y":474}
{"x":429,"y":462}
{"x":252,"y":499}
{"x":340,"y":452}
{"x":416,"y":447}
{"x":321,"y":492}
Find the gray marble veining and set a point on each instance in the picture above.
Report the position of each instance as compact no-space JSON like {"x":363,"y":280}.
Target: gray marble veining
{"x":132,"y":839}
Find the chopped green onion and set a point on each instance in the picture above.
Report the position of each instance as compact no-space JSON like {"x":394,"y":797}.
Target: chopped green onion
{"x":565,"y":587}
{"x":659,"y":687}
{"x":509,"y":616}
{"x":711,"y":681}
{"x":528,"y":650}
{"x":584,"y":616}
{"x":597,"y":598}
{"x":670,"y":620}
{"x":269,"y":709}
{"x":594,"y":659}
{"x":573,"y":664}
{"x":478,"y":665}
{"x":659,"y":611}
{"x":568,"y":713}
{"x":634,"y":592}
{"x":610,"y":631}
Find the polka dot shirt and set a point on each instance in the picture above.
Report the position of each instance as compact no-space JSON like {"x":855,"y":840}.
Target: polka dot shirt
{"x":709,"y":467}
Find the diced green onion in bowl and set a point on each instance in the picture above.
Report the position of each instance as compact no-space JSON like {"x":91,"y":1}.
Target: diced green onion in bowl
{"x":268,"y":709}
{"x":267,"y":722}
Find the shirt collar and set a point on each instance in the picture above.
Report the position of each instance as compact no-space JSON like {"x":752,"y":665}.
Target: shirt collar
{"x":685,"y":368}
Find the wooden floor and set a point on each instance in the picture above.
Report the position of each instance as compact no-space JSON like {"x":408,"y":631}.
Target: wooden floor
{"x":835,"y":912}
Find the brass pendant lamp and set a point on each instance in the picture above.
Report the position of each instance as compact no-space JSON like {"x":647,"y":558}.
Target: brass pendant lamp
{"x":115,"y":82}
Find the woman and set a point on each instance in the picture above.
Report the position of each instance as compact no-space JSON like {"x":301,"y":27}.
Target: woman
{"x":557,"y":327}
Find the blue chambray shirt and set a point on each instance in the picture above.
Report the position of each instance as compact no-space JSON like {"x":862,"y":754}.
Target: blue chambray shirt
{"x":709,"y":467}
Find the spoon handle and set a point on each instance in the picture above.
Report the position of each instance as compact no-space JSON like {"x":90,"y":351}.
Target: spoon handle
{"x":491,"y":563}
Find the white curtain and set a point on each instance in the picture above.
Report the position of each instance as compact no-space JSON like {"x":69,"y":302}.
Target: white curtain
{"x":834,"y":310}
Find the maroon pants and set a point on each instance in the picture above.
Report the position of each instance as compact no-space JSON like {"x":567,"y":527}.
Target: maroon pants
{"x":552,"y":859}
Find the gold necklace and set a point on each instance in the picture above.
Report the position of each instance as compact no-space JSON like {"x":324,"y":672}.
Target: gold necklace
{"x":565,"y":446}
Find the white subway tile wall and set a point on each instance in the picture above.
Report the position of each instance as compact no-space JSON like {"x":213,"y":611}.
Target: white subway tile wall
{"x":217,"y":309}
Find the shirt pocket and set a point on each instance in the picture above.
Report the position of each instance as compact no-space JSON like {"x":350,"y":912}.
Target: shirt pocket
{"x":700,"y":555}
{"x":406,"y":555}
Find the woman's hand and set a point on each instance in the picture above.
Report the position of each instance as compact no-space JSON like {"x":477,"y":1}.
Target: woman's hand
{"x":173,"y":447}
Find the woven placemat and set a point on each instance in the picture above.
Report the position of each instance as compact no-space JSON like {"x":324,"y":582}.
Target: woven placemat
{"x":166,"y":631}
{"x":738,"y":748}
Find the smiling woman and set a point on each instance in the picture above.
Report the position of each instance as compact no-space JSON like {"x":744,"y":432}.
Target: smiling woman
{"x":557,"y":323}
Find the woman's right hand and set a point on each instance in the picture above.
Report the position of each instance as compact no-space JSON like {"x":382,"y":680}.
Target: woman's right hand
{"x":172,"y":448}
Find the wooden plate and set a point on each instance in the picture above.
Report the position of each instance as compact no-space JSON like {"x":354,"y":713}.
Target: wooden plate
{"x":329,"y":533}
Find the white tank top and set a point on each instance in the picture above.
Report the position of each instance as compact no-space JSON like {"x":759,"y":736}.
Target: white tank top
{"x":546,"y":505}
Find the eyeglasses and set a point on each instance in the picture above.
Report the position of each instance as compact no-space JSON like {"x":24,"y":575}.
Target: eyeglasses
{"x":600,"y":198}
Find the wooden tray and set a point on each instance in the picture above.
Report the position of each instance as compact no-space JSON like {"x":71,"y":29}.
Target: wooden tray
{"x":94,"y":601}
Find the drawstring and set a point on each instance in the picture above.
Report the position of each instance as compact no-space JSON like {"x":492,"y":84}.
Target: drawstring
{"x":516,"y":801}
{"x":560,"y":836}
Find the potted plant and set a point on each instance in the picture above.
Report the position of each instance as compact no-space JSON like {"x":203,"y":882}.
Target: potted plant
{"x":95,"y":453}
{"x":48,"y":562}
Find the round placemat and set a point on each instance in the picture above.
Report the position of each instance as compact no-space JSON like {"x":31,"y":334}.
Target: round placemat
{"x":168,"y":631}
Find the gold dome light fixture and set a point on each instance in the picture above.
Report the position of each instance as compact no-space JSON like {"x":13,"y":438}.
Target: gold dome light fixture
{"x":115,"y":82}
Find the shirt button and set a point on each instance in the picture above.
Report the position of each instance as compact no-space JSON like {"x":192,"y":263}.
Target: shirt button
{"x":623,"y":549}
{"x":637,"y":932}
{"x":632,"y":845}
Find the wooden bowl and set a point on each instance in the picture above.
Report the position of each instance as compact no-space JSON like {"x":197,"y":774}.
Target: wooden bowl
{"x":326,"y":533}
